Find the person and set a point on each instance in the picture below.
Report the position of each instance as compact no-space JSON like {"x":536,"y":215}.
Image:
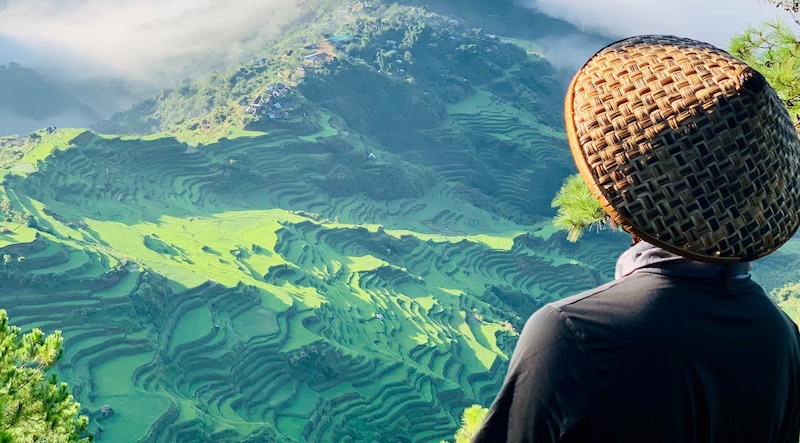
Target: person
{"x":692,"y":152}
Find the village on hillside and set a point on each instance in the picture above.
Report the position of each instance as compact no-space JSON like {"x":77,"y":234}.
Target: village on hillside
{"x":278,"y":103}
{"x":270,"y":104}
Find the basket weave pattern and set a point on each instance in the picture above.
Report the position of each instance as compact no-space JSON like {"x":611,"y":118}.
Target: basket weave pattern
{"x":686,"y":147}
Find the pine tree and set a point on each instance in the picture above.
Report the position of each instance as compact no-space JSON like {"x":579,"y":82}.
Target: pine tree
{"x":34,"y":407}
{"x":577,"y":208}
{"x":471,"y":419}
{"x":773,"y":49}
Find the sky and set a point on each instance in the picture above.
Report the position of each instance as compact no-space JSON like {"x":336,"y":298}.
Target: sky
{"x":712,"y":21}
{"x":133,"y":37}
{"x":157,"y":42}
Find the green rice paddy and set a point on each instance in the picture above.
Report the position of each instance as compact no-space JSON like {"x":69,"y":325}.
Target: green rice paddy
{"x":206,"y":294}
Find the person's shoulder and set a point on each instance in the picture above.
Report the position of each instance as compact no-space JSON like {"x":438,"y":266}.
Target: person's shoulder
{"x":556,"y":317}
{"x":622,"y":298}
{"x":588,"y":295}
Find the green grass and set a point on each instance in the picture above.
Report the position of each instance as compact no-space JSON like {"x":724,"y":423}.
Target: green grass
{"x":337,"y":276}
{"x":113,"y":378}
{"x":252,"y":260}
{"x":326,"y":131}
{"x":133,"y":416}
{"x":792,"y":308}
{"x":255,"y":323}
{"x":192,"y":325}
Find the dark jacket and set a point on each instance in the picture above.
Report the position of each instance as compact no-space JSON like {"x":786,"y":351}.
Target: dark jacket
{"x":670,"y":353}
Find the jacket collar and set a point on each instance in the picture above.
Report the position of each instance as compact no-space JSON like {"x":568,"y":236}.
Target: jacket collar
{"x":644,"y":255}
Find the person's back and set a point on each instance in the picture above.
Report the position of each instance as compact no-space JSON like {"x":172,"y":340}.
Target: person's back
{"x":674,"y":352}
{"x":689,"y":361}
{"x":682,"y":346}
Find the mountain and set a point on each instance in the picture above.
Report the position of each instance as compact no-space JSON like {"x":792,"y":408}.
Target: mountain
{"x":337,"y":241}
{"x":30,"y":101}
{"x":508,"y":17}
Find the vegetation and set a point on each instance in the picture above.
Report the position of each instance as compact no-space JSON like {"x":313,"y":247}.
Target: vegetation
{"x":789,"y":291}
{"x":35,"y":407}
{"x":772,"y":49}
{"x":257,"y":279}
{"x":383,"y":67}
{"x":788,"y":298}
{"x":577,"y":208}
{"x":471,"y":420}
{"x":280,"y":282}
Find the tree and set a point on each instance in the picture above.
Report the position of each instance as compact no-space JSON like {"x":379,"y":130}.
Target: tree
{"x":788,"y":298}
{"x":471,"y":419}
{"x":786,"y":292}
{"x":792,"y":7}
{"x":577,"y":208}
{"x":773,"y":49}
{"x":33,"y":407}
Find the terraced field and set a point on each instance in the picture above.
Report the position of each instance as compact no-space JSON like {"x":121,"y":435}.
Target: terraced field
{"x":312,"y":282}
{"x":285,"y":287}
{"x":227,"y":293}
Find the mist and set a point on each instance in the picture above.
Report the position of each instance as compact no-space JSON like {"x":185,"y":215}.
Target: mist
{"x":114,"y":53}
{"x":147,"y":40}
{"x":712,"y":21}
{"x":136,"y":40}
{"x":13,"y":124}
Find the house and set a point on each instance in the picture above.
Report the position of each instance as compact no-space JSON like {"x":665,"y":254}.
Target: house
{"x":340,"y":38}
{"x":319,"y":57}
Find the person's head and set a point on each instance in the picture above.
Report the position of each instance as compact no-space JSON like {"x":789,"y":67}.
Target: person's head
{"x":686,"y":147}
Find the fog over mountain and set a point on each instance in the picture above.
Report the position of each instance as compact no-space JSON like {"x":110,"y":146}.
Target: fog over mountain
{"x":112,"y":54}
{"x":142,"y":38}
{"x":335,"y":238}
{"x":713,"y":21}
{"x":135,"y":39}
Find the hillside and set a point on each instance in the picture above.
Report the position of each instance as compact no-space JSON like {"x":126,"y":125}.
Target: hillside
{"x":203,"y":300}
{"x":29,"y":101}
{"x":351,"y":265}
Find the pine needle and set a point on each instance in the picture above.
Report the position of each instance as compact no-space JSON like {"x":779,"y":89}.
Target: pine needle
{"x":577,"y":208}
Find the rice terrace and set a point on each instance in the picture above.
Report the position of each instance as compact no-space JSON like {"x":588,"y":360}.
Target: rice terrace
{"x":355,"y":272}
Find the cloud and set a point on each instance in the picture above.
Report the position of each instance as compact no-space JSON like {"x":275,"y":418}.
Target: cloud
{"x":13,"y":124}
{"x":712,"y":21}
{"x":137,"y":38}
{"x":569,"y":52}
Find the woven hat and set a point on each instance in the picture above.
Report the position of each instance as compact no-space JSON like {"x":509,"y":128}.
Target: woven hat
{"x":686,"y":147}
